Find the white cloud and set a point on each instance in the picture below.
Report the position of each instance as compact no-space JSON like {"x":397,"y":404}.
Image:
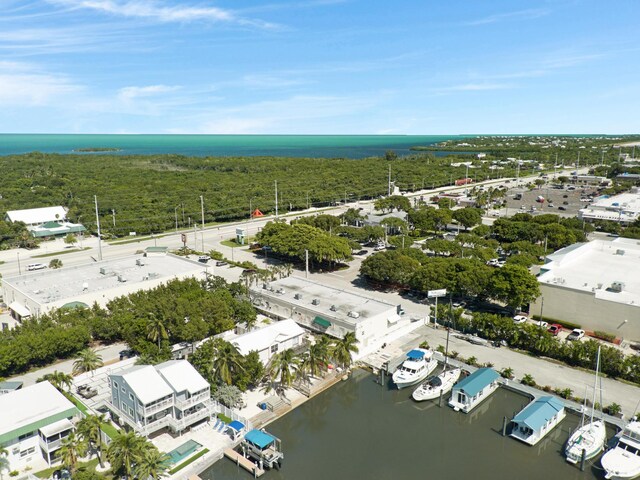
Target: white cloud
{"x":162,"y":12}
{"x":529,"y":14}
{"x":25,"y":84}
{"x":131,"y":93}
{"x":473,"y":87}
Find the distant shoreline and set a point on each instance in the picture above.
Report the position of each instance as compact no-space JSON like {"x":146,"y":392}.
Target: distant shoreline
{"x":95,"y":150}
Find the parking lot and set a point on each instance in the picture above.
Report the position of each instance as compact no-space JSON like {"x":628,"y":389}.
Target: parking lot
{"x":565,"y":202}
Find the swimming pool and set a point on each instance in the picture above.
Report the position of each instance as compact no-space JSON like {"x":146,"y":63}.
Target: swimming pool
{"x":183,"y":451}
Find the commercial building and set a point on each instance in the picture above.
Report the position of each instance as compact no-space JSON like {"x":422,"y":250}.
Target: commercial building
{"x":332,"y":311}
{"x":35,"y":293}
{"x":623,"y":208}
{"x":34,"y":421}
{"x":170,"y":395}
{"x":595,"y":285}
{"x":590,"y":180}
{"x":45,"y":222}
{"x":271,"y":339}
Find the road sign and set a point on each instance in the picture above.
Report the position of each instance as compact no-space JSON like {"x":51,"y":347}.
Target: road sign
{"x":184,"y":238}
{"x":437,"y":293}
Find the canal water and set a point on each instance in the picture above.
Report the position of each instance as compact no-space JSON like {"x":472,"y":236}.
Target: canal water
{"x":360,"y":430}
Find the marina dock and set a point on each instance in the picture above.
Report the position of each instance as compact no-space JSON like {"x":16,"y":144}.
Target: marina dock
{"x":245,"y":463}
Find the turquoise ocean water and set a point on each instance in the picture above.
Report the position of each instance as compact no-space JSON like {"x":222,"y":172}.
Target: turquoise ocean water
{"x":316,"y":146}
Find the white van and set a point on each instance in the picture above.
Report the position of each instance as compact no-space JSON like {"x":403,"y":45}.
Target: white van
{"x":36,"y":266}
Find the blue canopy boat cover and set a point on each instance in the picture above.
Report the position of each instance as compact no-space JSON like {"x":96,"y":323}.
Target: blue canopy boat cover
{"x":260,"y":439}
{"x":236,"y":425}
{"x":415,"y":354}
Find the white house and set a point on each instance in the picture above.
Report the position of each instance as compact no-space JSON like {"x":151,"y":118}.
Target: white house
{"x":471,"y":391}
{"x":271,"y":339}
{"x":170,"y":395}
{"x":34,"y":421}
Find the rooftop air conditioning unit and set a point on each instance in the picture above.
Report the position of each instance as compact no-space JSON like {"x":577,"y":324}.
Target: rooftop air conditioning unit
{"x":280,"y":291}
{"x":122,"y":279}
{"x":617,"y":286}
{"x":139,"y":262}
{"x":619,"y":252}
{"x":315,"y":301}
{"x":297,"y":296}
{"x":103,"y":270}
{"x":85,"y":286}
{"x":266,"y":286}
{"x":333,"y":308}
{"x":353,"y":314}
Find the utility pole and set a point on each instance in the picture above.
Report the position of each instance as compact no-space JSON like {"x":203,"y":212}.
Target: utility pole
{"x":202,"y":210}
{"x":276,"y":183}
{"x":306,"y":264}
{"x":195,"y":236}
{"x":95,"y":199}
{"x":113,"y":214}
{"x":389,"y":189}
{"x":175,"y":211}
{"x":19,"y":269}
{"x":602,"y":158}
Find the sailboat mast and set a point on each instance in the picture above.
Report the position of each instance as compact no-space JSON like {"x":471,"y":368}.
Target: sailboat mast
{"x":446,"y":350}
{"x":595,"y":386}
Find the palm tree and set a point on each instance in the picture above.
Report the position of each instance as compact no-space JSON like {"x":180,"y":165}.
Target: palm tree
{"x":316,"y":359}
{"x":283,"y":369}
{"x":62,"y":381}
{"x":87,"y":361}
{"x":343,"y":349}
{"x":73,"y":447}
{"x":156,"y":330}
{"x":4,"y":461}
{"x":124,"y":452}
{"x":152,"y":463}
{"x":226,"y":360}
{"x":89,"y":428}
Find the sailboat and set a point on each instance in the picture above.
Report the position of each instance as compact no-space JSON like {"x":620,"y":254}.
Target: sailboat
{"x":439,"y":384}
{"x":589,"y":439}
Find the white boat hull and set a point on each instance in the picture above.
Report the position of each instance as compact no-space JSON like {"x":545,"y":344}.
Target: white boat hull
{"x":402,"y":381}
{"x":590,"y":438}
{"x":427,"y":392}
{"x":618,"y":464}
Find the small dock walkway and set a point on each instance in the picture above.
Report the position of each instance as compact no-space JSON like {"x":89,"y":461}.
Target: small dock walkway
{"x":245,"y":463}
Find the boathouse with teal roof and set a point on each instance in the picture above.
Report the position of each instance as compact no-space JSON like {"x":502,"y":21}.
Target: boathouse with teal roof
{"x":472,"y":390}
{"x":537,"y":419}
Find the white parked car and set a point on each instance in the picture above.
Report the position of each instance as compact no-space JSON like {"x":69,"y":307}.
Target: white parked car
{"x":520,"y":319}
{"x":36,"y":266}
{"x":542,"y":324}
{"x":576,"y":334}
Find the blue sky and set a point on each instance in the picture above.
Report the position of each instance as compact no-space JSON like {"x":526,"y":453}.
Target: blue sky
{"x":319,"y":66}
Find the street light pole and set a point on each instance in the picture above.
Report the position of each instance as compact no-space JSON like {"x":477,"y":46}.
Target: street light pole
{"x":175,"y":211}
{"x":19,"y":269}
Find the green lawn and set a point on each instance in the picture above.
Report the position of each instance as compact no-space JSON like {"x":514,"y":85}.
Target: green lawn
{"x":107,"y":428}
{"x":90,"y":465}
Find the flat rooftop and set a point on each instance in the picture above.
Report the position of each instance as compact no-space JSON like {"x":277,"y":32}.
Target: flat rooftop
{"x":625,"y":206}
{"x":344,"y":301}
{"x":595,"y":267}
{"x":32,"y":405}
{"x":50,"y":286}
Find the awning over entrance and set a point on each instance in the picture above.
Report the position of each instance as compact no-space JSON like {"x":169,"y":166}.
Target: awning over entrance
{"x":20,"y":309}
{"x":57,"y":427}
{"x":322,"y":322}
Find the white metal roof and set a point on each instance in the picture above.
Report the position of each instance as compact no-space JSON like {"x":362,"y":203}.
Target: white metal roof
{"x":181,"y":376}
{"x":595,"y":266}
{"x":56,"y":427}
{"x":37,"y":215}
{"x":146,"y":383}
{"x":263,"y":338}
{"x":29,"y":405}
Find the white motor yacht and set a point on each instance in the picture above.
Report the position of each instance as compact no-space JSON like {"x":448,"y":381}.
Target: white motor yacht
{"x":436,"y":385}
{"x":622,"y":462}
{"x":416,"y":367}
